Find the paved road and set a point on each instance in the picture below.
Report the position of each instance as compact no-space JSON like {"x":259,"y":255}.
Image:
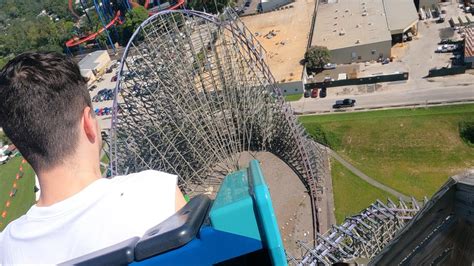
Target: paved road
{"x":368,"y":179}
{"x":389,"y":98}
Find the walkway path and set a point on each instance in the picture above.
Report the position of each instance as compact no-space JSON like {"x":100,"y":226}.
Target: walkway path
{"x":367,"y":178}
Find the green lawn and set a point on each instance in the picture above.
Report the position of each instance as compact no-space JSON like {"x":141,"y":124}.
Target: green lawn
{"x":293,"y":97}
{"x":357,"y":194}
{"x":413,"y":151}
{"x":24,"y":198}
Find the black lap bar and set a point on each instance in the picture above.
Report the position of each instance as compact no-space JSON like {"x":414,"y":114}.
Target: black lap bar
{"x":174,"y":232}
{"x":118,"y":254}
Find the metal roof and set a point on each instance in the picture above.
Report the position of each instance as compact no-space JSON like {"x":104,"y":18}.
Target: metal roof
{"x":400,"y":14}
{"x":348,"y":23}
{"x":91,"y":61}
{"x":469,"y":43}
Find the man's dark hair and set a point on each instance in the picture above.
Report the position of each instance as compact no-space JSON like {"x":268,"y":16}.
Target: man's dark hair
{"x":42,"y":96}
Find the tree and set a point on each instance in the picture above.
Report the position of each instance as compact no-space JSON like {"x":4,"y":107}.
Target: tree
{"x":316,"y":57}
{"x":133,"y":19}
{"x":210,"y":5}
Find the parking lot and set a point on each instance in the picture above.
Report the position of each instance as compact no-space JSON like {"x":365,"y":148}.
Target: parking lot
{"x":416,"y":57}
{"x":104,"y":83}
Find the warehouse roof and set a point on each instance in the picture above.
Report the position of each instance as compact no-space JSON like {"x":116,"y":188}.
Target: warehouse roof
{"x":348,"y":23}
{"x":91,"y":61}
{"x":401,"y":14}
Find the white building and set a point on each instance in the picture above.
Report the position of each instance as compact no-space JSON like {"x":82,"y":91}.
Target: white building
{"x":94,"y":64}
{"x":362,"y":30}
{"x":427,"y":4}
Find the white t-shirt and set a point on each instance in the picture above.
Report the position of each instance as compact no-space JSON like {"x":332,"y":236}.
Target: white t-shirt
{"x":106,"y":212}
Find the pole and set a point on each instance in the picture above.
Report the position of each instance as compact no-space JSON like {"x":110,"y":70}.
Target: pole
{"x":84,"y":8}
{"x":97,"y":8}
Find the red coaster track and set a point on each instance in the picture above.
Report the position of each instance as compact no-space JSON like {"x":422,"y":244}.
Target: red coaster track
{"x":76,"y":41}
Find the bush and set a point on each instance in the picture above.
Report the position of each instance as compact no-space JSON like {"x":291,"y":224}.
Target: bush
{"x":466,"y":131}
{"x":4,"y":139}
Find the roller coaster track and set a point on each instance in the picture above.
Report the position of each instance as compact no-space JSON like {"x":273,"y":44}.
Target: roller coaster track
{"x":74,"y":41}
{"x":77,"y":41}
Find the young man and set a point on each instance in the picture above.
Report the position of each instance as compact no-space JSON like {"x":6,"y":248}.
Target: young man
{"x":46,"y":111}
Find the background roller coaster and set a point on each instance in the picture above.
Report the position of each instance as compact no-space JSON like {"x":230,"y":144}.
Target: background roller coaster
{"x":111,"y":13}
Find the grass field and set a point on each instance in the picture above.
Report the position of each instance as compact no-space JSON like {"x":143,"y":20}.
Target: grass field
{"x":352,"y":201}
{"x":411,"y":150}
{"x":24,"y":197}
{"x":293,"y":97}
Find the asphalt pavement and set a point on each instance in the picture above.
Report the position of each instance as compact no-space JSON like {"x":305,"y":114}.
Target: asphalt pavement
{"x":387,"y":99}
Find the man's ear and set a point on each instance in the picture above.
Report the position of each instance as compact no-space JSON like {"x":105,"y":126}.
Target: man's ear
{"x":89,"y":124}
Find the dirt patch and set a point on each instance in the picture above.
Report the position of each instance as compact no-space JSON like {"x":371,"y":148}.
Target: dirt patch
{"x":286,"y":44}
{"x":290,"y":199}
{"x":446,"y":33}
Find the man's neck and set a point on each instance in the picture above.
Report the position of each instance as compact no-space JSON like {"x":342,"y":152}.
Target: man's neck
{"x":64,"y":181}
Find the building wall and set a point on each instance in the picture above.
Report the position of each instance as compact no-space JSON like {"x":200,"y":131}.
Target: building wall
{"x":294,"y":87}
{"x":425,"y":4}
{"x":96,"y":62}
{"x":87,"y":73}
{"x":361,"y":53}
{"x":103,"y":60}
{"x":273,"y":4}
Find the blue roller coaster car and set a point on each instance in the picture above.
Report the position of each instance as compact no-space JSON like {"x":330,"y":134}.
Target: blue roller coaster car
{"x":238,"y":228}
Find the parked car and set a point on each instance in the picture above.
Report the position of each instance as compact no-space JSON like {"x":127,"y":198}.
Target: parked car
{"x":386,"y":61}
{"x":323,"y":93}
{"x":106,"y":111}
{"x":329,"y":66}
{"x":314,"y":93}
{"x":344,"y":103}
{"x":103,"y":95}
{"x":407,"y":37}
{"x":239,"y":11}
{"x":446,"y":41}
{"x":93,"y":87}
{"x":445,"y":48}
{"x":307,"y":94}
{"x":328,"y":79}
{"x":114,"y":78}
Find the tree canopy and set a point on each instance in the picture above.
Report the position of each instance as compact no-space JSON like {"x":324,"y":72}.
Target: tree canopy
{"x":45,"y":25}
{"x":316,"y":57}
{"x":133,"y":19}
{"x":210,"y":5}
{"x":42,"y":25}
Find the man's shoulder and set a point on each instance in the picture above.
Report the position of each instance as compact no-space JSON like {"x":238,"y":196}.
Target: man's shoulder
{"x":151,"y":177}
{"x":148,"y":184}
{"x":148,"y":196}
